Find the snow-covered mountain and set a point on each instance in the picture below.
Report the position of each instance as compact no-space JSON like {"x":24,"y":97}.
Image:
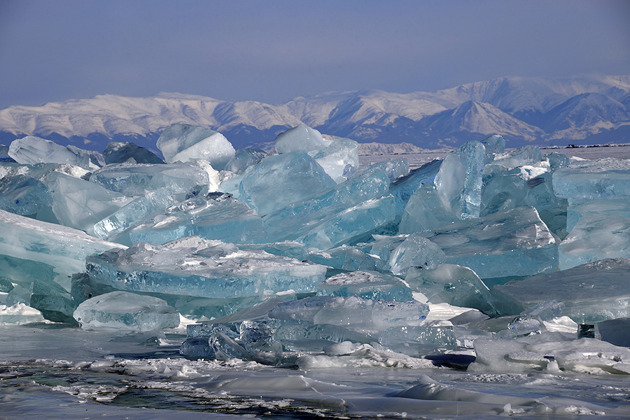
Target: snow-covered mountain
{"x":523,"y":110}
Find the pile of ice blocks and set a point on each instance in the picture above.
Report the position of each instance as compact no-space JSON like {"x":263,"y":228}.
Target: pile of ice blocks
{"x":519,"y":258}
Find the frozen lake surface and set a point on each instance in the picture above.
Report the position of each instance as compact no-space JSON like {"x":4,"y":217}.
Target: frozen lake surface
{"x":621,"y":151}
{"x":57,"y":373}
{"x":53,"y":372}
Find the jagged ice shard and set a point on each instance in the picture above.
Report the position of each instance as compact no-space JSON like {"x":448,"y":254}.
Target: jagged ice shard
{"x":459,"y":180}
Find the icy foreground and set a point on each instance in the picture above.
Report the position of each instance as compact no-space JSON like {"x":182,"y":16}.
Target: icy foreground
{"x":492,"y":262}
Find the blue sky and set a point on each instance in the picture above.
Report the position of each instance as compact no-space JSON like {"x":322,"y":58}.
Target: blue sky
{"x":274,"y":50}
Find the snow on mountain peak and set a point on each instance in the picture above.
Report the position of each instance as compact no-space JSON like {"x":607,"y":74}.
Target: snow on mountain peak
{"x":519,"y":108}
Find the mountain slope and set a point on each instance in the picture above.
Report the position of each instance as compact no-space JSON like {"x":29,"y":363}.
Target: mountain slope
{"x":520,"y":109}
{"x":476,"y":118}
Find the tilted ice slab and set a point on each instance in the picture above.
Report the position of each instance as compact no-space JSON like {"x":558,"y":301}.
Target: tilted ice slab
{"x":424,"y":211}
{"x":156,"y":187}
{"x":80,"y":204}
{"x":607,"y":178}
{"x":300,"y":139}
{"x":353,"y":312}
{"x":61,"y":248}
{"x":299,"y":218}
{"x":352,"y":225}
{"x":415,"y":251}
{"x":338,"y":157}
{"x":138,"y":179}
{"x":114,"y":226}
{"x":209,"y":216}
{"x":183,"y":142}
{"x":532,"y":186}
{"x":495,"y":145}
{"x":511,"y":243}
{"x":126,"y":311}
{"x":452,"y":284}
{"x":23,"y":192}
{"x":591,"y":292}
{"x":280,"y":180}
{"x":455,"y":193}
{"x":366,"y":285}
{"x":596,"y":236}
{"x":31,"y":149}
{"x":197,"y":267}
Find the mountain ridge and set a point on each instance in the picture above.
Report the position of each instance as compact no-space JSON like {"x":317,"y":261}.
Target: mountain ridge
{"x":523,"y":110}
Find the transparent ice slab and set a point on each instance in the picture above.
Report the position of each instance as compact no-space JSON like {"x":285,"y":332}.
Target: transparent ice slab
{"x":352,"y":225}
{"x":415,"y":251}
{"x":297,"y":219}
{"x":27,"y":196}
{"x":183,"y":142}
{"x":31,"y":149}
{"x":366,"y":285}
{"x":280,"y":180}
{"x":403,"y":188}
{"x":452,"y":284}
{"x":511,"y":243}
{"x":243,"y":159}
{"x":208,"y":215}
{"x":528,"y":155}
{"x":591,"y":292}
{"x":601,"y":232}
{"x":138,"y":179}
{"x":607,"y":178}
{"x":126,"y":311}
{"x":80,"y":204}
{"x":363,"y":315}
{"x":61,"y":248}
{"x":197,"y":267}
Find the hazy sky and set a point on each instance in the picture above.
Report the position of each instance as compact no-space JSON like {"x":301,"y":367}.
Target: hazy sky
{"x":274,"y":50}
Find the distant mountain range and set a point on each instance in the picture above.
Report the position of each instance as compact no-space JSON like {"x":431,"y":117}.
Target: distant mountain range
{"x":578,"y":110}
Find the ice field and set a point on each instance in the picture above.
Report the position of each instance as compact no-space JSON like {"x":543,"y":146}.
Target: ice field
{"x":313,"y":282}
